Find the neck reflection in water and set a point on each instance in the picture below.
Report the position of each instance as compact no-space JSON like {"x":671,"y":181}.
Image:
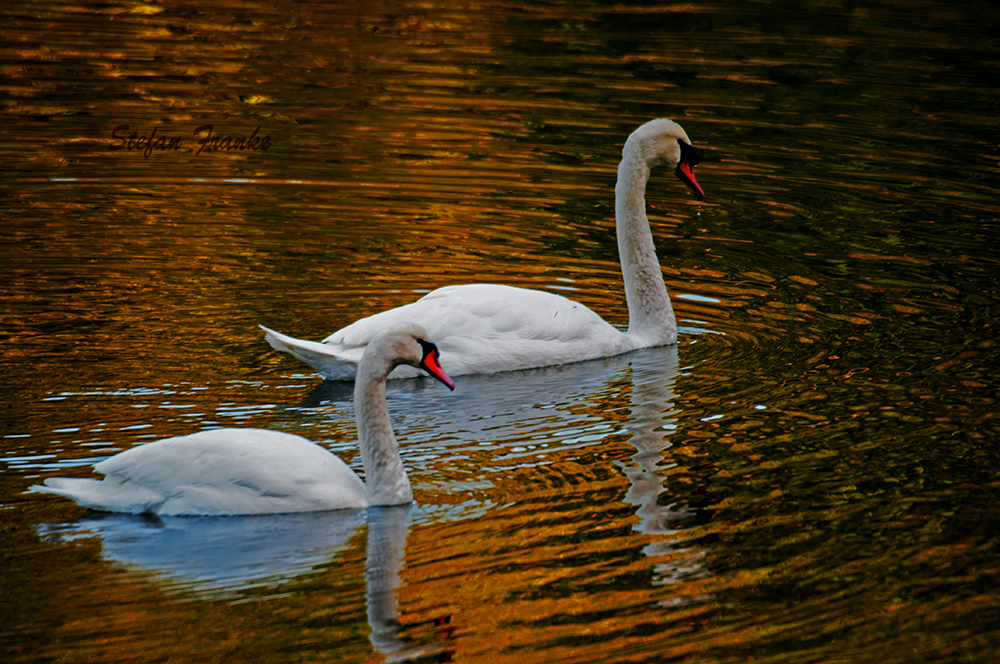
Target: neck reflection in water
{"x":229,"y":558}
{"x":653,"y":417}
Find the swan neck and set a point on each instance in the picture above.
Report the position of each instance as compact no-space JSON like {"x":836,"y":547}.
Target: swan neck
{"x":651,"y":316}
{"x":386,"y":481}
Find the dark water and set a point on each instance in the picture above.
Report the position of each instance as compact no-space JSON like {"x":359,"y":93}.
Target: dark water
{"x":809,"y":476}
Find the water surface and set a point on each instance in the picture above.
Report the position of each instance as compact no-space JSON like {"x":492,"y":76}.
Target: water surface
{"x":808,"y":476}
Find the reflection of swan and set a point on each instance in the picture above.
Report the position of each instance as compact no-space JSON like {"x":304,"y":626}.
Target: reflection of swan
{"x":250,"y":557}
{"x":217,"y":558}
{"x":496,"y":419}
{"x":651,"y":419}
{"x":487,"y":423}
{"x":486,"y":328}
{"x":254,"y":471}
{"x":652,"y":392}
{"x":387,"y":530}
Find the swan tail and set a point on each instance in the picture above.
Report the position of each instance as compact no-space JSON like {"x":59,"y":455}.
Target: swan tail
{"x":112,"y":494}
{"x":330,"y":362}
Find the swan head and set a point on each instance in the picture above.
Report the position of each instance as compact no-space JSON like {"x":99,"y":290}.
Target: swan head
{"x":663,"y":142}
{"x":407,"y":343}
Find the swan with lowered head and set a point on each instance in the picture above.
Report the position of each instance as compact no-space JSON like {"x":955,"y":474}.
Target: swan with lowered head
{"x":257,"y":471}
{"x":486,"y":328}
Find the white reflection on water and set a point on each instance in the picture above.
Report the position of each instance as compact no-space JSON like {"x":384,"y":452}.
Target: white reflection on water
{"x":213,"y":558}
{"x":654,"y":415}
{"x":493,"y":424}
{"x":502,"y":407}
{"x":217,"y":557}
{"x":388,"y":528}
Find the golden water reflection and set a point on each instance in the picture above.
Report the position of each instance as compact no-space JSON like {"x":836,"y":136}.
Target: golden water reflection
{"x":813,"y":478}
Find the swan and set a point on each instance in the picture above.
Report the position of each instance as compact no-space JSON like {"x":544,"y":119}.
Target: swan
{"x":488,"y":328}
{"x":258,"y":471}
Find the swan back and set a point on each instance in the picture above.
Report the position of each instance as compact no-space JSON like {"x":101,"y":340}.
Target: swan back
{"x":218,"y":471}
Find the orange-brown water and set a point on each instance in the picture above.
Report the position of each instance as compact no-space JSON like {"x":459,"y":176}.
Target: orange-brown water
{"x":809,"y":476}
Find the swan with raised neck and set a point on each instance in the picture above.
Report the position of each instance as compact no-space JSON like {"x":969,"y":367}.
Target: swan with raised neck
{"x":259,"y":471}
{"x":487,"y":328}
{"x":650,"y":313}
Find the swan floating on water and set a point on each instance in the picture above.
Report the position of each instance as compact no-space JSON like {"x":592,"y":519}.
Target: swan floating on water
{"x":488,"y":328}
{"x":257,"y":471}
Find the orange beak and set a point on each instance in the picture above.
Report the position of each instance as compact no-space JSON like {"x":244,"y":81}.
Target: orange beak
{"x":432,"y":365}
{"x":685,"y":171}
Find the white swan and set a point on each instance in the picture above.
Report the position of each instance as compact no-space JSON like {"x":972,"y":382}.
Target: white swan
{"x":257,"y":471}
{"x":486,"y":328}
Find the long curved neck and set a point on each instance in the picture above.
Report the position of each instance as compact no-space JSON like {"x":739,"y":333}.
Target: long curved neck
{"x":385,"y":477}
{"x":650,"y":315}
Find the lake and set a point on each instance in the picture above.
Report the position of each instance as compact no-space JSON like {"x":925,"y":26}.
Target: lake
{"x":810,"y":475}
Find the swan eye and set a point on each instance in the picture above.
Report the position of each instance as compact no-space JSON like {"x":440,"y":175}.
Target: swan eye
{"x":427,"y":347}
{"x":689,"y":155}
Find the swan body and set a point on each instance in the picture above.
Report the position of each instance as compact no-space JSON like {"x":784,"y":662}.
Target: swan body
{"x":488,"y":328}
{"x":258,"y":471}
{"x":484,"y":328}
